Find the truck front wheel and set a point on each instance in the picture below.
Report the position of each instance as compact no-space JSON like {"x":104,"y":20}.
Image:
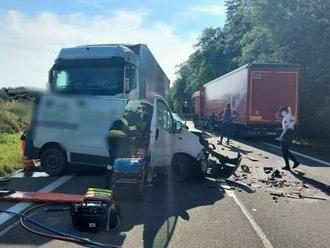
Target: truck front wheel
{"x":182,"y":168}
{"x":53,"y":160}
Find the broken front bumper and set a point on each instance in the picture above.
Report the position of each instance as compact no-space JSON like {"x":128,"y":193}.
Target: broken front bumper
{"x":219,"y":166}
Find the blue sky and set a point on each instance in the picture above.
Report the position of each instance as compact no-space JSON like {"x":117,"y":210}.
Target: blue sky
{"x":32,"y":32}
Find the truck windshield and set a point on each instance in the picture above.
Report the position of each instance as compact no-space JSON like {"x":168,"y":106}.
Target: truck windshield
{"x":89,"y":80}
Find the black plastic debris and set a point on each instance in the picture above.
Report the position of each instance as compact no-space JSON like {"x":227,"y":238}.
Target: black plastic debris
{"x":268,"y":170}
{"x":245,"y":168}
{"x":252,"y":159}
{"x":276,"y":174}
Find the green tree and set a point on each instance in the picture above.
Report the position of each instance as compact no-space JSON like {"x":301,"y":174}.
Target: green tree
{"x":295,"y":31}
{"x":268,"y":31}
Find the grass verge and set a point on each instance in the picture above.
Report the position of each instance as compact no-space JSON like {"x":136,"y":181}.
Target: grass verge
{"x":10,"y":153}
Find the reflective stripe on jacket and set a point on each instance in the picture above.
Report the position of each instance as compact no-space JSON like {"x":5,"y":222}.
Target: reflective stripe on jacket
{"x":121,"y":128}
{"x":117,"y":134}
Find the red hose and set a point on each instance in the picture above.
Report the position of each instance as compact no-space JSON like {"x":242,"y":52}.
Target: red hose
{"x":49,"y":235}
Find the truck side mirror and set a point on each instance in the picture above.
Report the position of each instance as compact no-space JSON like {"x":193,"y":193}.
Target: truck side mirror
{"x":178,"y":127}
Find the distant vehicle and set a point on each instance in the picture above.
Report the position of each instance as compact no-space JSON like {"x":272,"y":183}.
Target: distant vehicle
{"x":256,"y":92}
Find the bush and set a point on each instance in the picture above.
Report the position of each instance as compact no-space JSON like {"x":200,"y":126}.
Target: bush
{"x":14,"y":116}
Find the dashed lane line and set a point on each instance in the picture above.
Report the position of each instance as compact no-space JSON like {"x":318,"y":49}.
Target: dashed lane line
{"x":19,"y":207}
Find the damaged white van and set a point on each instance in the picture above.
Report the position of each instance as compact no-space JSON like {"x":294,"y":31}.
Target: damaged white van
{"x":89,"y":89}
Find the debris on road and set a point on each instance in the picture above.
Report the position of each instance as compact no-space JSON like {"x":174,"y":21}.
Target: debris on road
{"x":252,"y":159}
{"x":283,"y":195}
{"x":227,"y":187}
{"x":276,"y":174}
{"x":276,"y":179}
{"x":302,"y":196}
{"x":295,"y":195}
{"x":239,"y":186}
{"x":268,"y":170}
{"x":245,"y":168}
{"x":240,"y":177}
{"x":305,"y":186}
{"x":274,"y":183}
{"x":268,"y":178}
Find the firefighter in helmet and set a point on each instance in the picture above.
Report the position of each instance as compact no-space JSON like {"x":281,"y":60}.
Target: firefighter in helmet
{"x":127,"y":134}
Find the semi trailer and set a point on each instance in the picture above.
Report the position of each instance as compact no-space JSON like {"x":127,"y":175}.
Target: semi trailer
{"x":89,"y":88}
{"x":255,"y":92}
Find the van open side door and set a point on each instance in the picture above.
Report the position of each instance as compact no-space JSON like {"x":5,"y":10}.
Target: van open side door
{"x":162,"y":140}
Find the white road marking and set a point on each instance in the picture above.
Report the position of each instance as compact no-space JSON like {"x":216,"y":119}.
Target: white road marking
{"x":257,"y":229}
{"x":12,"y":174}
{"x":300,"y":154}
{"x":19,"y":207}
{"x":8,"y":228}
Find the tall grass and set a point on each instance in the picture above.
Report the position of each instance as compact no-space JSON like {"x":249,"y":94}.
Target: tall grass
{"x":14,"y":118}
{"x":10,"y":153}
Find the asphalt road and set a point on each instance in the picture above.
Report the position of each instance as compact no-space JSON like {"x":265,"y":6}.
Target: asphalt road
{"x":237,"y":213}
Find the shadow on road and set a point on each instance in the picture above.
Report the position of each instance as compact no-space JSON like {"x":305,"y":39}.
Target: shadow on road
{"x":238,"y":149}
{"x":257,"y":143}
{"x":163,"y":205}
{"x":317,"y":184}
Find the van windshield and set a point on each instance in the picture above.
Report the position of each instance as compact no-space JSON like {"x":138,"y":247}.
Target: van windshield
{"x":92,"y":80}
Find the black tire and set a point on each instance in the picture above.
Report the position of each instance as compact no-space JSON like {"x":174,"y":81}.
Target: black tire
{"x":53,"y":160}
{"x":182,"y":168}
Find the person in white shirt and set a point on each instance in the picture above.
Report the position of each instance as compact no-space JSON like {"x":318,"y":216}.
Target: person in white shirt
{"x":286,"y":137}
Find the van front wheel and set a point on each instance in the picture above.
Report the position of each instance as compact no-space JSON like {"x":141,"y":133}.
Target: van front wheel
{"x":182,"y":168}
{"x":53,"y":160}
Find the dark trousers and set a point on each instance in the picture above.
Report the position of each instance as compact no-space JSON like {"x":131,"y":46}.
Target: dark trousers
{"x":226,"y":130}
{"x":285,"y":146}
{"x":113,"y":148}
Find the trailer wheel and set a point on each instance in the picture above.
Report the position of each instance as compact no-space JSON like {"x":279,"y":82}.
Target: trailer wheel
{"x":53,"y":160}
{"x":182,"y":168}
